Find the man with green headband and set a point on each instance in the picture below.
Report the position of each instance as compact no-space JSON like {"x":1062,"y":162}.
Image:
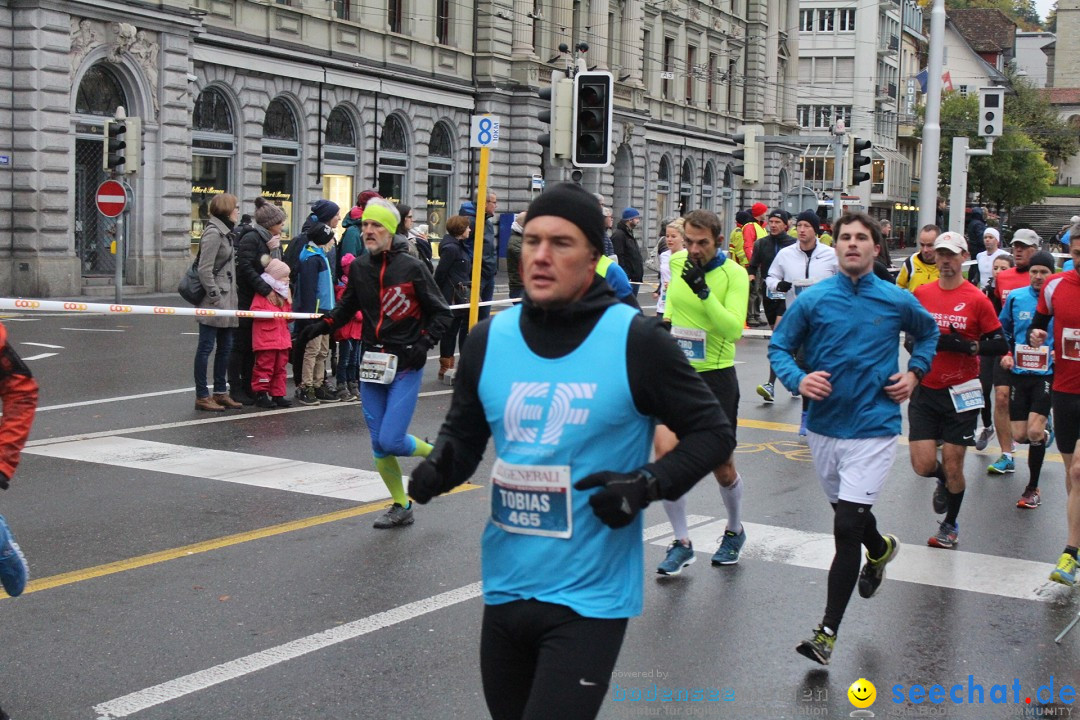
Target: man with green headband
{"x":405,"y":315}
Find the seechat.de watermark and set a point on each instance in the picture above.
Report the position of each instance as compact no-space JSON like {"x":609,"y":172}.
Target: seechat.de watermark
{"x":976,"y":693}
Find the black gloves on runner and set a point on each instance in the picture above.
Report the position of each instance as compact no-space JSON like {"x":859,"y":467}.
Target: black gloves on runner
{"x":694,"y":276}
{"x":4,"y":480}
{"x":953,"y":342}
{"x":313,"y":330}
{"x":414,"y":357}
{"x":623,"y":495}
{"x":783,"y":286}
{"x":430,"y":479}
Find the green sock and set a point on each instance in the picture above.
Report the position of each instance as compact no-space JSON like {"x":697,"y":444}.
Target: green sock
{"x":423,"y":449}
{"x":390,"y":471}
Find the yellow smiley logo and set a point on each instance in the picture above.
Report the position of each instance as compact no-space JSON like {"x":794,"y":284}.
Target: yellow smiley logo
{"x":862,"y":693}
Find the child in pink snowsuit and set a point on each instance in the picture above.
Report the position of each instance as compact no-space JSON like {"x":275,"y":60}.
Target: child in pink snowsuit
{"x":271,"y":340}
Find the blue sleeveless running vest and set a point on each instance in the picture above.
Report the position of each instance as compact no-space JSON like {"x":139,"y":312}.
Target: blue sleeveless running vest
{"x":555,"y":421}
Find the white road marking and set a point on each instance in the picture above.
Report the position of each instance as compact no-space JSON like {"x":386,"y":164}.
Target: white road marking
{"x":917,"y":563}
{"x":35,"y":344}
{"x":256,"y":470}
{"x":91,"y":329}
{"x":174,"y":689}
{"x":40,"y":356}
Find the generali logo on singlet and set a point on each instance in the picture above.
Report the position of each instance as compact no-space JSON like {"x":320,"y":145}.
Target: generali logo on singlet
{"x":538,"y":412}
{"x":399,"y":301}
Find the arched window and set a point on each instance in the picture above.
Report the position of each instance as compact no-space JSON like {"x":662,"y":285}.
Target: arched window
{"x":213,"y":146}
{"x":280,"y":123}
{"x":393,"y":160}
{"x":340,"y":160}
{"x":663,"y":188}
{"x":708,"y":189}
{"x":686,"y":188}
{"x":100,"y":92}
{"x":281,"y":158}
{"x":440,"y":178}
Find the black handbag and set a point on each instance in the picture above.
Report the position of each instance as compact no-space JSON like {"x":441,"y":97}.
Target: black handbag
{"x":190,"y":287}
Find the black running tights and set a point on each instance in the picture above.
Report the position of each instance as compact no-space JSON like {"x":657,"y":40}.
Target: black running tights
{"x":854,"y":526}
{"x":541,"y":660}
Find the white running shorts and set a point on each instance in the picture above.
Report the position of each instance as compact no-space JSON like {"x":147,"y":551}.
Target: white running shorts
{"x":854,"y":470}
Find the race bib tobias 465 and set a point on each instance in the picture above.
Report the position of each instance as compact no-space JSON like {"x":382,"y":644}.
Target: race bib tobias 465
{"x":532,"y":499}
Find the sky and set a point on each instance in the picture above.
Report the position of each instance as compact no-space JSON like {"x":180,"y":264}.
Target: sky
{"x":1044,"y":7}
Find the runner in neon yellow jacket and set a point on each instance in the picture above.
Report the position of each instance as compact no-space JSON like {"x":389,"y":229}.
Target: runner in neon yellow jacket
{"x":721,"y":315}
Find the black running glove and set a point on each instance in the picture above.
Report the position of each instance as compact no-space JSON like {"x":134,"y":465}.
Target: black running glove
{"x":430,"y":479}
{"x":414,"y":357}
{"x":694,"y":276}
{"x":313,"y":330}
{"x":783,"y":286}
{"x":623,"y":495}
{"x":954,"y":342}
{"x":4,"y":480}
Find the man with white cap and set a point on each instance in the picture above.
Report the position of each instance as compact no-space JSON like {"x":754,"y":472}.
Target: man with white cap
{"x":946,"y":404}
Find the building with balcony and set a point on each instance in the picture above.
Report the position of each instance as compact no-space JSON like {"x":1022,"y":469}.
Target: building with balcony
{"x":300,"y":99}
{"x":849,"y":69}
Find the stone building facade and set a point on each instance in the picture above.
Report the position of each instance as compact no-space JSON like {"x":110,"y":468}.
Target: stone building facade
{"x":302,"y":99}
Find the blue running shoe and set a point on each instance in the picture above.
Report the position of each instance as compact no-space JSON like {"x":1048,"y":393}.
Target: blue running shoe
{"x":766,"y":392}
{"x":13,"y":570}
{"x":946,"y":537}
{"x":678,"y":557}
{"x":1065,"y":572}
{"x":730,"y":547}
{"x":1002,"y":465}
{"x":802,"y":425}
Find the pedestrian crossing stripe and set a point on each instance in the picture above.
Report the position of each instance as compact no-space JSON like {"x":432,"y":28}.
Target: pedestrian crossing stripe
{"x":916,"y":563}
{"x":333,"y":481}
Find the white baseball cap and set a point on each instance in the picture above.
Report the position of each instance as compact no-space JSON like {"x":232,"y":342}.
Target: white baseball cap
{"x":1075,"y":219}
{"x":1026,"y":237}
{"x":951,"y":241}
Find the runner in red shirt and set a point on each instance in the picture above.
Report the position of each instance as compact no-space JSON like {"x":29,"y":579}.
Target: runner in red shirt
{"x":1025,"y":243}
{"x":1060,"y":302}
{"x":946,"y":404}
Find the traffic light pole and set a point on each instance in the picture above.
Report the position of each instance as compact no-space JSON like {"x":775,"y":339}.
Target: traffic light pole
{"x":838,"y":177}
{"x":959,"y":178}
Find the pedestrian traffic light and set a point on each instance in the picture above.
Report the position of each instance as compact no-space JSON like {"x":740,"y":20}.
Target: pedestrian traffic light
{"x":115,"y":146}
{"x":750,"y":153}
{"x":592,"y":119}
{"x":558,"y":115}
{"x":855,"y":160}
{"x":991,"y":111}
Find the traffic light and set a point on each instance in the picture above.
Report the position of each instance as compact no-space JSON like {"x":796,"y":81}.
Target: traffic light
{"x":855,"y":160}
{"x":751,"y":153}
{"x":991,"y":111}
{"x":115,"y":146}
{"x":558,"y":115}
{"x":592,"y":119}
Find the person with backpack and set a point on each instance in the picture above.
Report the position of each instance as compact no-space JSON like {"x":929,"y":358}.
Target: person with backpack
{"x":217,"y":273}
{"x":259,"y":243}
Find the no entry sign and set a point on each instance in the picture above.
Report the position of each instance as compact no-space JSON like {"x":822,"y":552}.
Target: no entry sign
{"x":111,"y":198}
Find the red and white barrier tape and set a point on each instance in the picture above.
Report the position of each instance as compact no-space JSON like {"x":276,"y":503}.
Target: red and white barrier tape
{"x":25,"y":304}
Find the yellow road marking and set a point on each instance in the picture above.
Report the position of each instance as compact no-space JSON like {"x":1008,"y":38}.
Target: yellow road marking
{"x":68,"y":578}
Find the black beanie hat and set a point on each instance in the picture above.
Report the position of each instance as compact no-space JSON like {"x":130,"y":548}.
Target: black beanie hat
{"x":1043,"y":258}
{"x":743,"y":216}
{"x":576,"y":204}
{"x":811,"y":217}
{"x":777,"y":213}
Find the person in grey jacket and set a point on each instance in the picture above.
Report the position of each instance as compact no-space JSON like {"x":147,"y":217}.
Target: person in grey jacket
{"x":217,"y":273}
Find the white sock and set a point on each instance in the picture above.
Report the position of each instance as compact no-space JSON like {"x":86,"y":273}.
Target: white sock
{"x":676,"y":513}
{"x":732,"y":497}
